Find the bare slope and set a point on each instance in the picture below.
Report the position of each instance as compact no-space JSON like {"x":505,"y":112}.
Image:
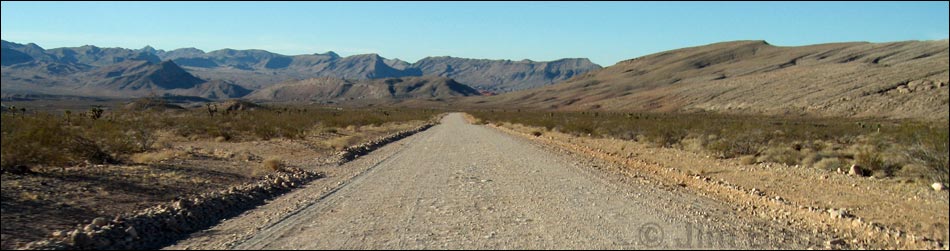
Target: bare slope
{"x":897,"y":80}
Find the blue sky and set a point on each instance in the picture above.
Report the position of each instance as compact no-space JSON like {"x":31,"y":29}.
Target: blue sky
{"x":605,"y":32}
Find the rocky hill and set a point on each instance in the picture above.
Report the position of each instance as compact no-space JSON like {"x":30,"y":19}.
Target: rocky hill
{"x":896,"y":80}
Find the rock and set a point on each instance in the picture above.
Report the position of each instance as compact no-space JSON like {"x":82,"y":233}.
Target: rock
{"x":132,"y":233}
{"x":857,"y":170}
{"x":58,"y":234}
{"x":756,"y":192}
{"x":938,"y":187}
{"x":78,"y":238}
{"x":101,"y":243}
{"x":100,"y":222}
{"x":835,"y":243}
{"x":18,"y":170}
{"x":838,"y":213}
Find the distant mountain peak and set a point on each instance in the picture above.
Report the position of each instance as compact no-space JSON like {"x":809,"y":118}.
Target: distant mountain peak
{"x":149,"y":49}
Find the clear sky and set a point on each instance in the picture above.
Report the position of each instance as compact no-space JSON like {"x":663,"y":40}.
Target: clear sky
{"x":605,"y":32}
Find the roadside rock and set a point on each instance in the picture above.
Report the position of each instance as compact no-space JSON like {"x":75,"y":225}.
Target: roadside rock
{"x":100,"y":222}
{"x":157,"y":226}
{"x":352,"y":152}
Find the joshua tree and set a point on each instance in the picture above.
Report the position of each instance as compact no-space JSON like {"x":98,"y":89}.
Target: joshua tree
{"x":96,"y":112}
{"x":212,"y":109}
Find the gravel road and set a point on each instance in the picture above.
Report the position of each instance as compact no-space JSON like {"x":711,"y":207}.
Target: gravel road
{"x":463,"y":186}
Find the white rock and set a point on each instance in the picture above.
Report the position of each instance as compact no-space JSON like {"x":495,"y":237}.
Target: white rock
{"x":838,"y":213}
{"x":938,"y":187}
{"x":857,"y":171}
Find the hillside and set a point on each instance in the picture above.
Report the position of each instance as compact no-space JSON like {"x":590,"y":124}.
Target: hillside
{"x":376,"y":91}
{"x":895,"y":80}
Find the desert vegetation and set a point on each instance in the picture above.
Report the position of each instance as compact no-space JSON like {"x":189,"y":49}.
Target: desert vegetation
{"x":97,"y":136}
{"x":882,"y":148}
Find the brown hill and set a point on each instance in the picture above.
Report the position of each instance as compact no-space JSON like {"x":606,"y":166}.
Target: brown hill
{"x":896,"y":80}
{"x":375,"y":91}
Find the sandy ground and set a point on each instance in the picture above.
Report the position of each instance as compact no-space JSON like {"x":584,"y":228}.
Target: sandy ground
{"x":462,"y":186}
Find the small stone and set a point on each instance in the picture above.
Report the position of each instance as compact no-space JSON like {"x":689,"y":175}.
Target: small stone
{"x":938,"y":187}
{"x":78,"y":238}
{"x":99,"y":222}
{"x":132,"y":233}
{"x":57,"y":234}
{"x":838,"y":213}
{"x":835,"y":243}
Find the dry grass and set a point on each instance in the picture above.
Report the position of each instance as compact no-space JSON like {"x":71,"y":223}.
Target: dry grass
{"x":747,"y":160}
{"x":269,"y":165}
{"x":154,"y":157}
{"x":272,"y":165}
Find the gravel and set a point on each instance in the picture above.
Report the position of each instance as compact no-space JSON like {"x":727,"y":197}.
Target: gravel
{"x":461,"y":186}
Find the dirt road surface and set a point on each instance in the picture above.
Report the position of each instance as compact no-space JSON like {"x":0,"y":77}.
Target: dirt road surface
{"x":464,"y":186}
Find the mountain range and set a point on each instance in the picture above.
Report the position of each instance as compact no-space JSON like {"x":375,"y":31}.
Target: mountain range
{"x":371,"y":91}
{"x":906,"y":79}
{"x":228,"y":73}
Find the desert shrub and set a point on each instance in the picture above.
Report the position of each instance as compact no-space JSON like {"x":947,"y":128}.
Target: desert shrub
{"x":792,"y":140}
{"x":272,"y":165}
{"x":810,"y":158}
{"x":929,"y":155}
{"x":735,"y":145}
{"x":696,"y":144}
{"x":747,"y":160}
{"x":153,"y":157}
{"x":45,"y":140}
{"x":30,"y":140}
{"x":783,"y":154}
{"x":830,"y":164}
{"x":870,"y":158}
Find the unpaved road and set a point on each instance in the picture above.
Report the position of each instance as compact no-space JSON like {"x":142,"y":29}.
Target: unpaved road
{"x":463,"y":186}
